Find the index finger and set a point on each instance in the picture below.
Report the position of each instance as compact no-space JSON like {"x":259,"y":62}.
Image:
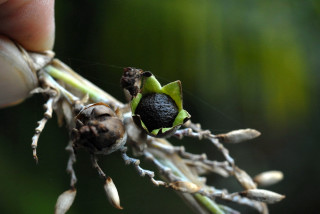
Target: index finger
{"x":29,"y":22}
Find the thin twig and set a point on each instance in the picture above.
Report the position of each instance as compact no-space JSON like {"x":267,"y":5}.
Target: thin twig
{"x":234,"y":197}
{"x":204,"y":134}
{"x":48,"y":106}
{"x":164,"y":170}
{"x":210,"y":192}
{"x":221,"y":168}
{"x":94,"y":161}
{"x":71,"y":161}
{"x":142,"y":172}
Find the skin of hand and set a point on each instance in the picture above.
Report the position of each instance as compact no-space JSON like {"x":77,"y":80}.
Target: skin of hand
{"x":31,"y":24}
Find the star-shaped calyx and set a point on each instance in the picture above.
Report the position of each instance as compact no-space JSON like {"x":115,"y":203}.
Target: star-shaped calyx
{"x":158,"y":110}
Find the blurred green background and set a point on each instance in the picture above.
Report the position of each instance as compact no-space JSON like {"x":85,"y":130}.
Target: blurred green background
{"x":243,"y":64}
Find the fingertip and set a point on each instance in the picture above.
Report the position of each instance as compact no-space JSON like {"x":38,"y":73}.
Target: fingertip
{"x":29,"y":22}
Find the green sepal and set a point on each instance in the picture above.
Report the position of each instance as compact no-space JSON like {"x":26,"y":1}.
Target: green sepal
{"x":134,"y":102}
{"x":181,"y":118}
{"x":155,"y":132}
{"x":174,"y":90}
{"x":151,"y":85}
{"x":143,"y":125}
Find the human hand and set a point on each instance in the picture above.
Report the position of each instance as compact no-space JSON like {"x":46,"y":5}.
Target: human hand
{"x":31,"y":24}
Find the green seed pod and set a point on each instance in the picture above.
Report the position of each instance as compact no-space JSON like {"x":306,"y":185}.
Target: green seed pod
{"x":158,"y":110}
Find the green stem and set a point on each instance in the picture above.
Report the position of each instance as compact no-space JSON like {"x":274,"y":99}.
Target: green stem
{"x":63,"y":73}
{"x":208,"y":203}
{"x":70,"y":80}
{"x":70,"y":97}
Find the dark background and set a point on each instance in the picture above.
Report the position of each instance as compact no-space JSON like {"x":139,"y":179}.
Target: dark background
{"x":243,"y":64}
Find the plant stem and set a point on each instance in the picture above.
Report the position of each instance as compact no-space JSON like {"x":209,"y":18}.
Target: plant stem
{"x":208,"y":203}
{"x":97,"y":95}
{"x":75,"y":81}
{"x":67,"y":78}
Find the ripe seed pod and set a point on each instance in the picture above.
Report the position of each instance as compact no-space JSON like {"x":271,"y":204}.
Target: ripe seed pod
{"x":158,"y":110}
{"x":99,"y":129}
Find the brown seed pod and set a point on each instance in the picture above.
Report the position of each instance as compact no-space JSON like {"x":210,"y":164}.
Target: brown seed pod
{"x":98,"y":129}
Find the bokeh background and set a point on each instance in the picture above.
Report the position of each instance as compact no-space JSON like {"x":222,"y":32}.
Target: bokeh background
{"x":243,"y":64}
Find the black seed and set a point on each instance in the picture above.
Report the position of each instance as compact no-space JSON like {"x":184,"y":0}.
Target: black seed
{"x":157,"y":111}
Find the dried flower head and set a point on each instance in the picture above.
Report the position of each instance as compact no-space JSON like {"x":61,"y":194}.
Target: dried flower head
{"x":158,"y":110}
{"x":98,"y":129}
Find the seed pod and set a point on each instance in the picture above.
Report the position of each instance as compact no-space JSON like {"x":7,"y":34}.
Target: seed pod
{"x":263,"y":195}
{"x":99,"y":129}
{"x":65,"y":201}
{"x":158,"y":110}
{"x":268,"y":178}
{"x":112,"y":193}
{"x":238,"y":136}
{"x":244,"y":179}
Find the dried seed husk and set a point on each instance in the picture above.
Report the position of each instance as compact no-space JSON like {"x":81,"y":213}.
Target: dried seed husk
{"x":238,"y":136}
{"x":112,"y":193}
{"x":244,"y":179}
{"x":268,"y":178}
{"x":263,"y":195}
{"x":185,"y":186}
{"x":65,"y":201}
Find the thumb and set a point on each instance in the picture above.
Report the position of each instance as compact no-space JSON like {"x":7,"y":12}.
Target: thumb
{"x":16,"y":77}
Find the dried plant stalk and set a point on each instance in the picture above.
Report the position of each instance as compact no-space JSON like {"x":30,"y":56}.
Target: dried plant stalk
{"x":68,"y":93}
